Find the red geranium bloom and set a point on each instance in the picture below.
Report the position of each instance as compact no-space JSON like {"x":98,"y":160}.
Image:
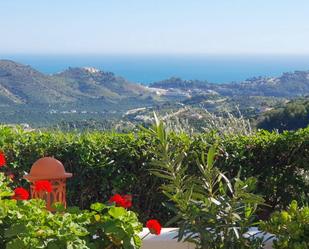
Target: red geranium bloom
{"x":154,"y":226}
{"x":20,"y":194}
{"x":2,"y":159}
{"x":127,"y":201}
{"x":122,"y":201}
{"x":43,"y":186}
{"x":117,"y":198}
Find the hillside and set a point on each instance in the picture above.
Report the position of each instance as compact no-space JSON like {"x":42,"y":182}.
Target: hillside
{"x":290,"y":116}
{"x":253,"y":97}
{"x":23,"y":85}
{"x":78,"y":95}
{"x":93,"y":83}
{"x":288,"y":85}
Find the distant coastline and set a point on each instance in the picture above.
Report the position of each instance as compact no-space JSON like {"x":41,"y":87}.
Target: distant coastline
{"x":146,"y":69}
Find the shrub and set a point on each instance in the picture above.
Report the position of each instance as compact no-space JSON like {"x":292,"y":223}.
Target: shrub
{"x":28,"y":224}
{"x":211,"y":211}
{"x":120,"y":163}
{"x":290,"y":227}
{"x":278,"y":161}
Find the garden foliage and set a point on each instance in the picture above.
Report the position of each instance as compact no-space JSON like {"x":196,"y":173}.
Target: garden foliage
{"x":121,"y":163}
{"x":28,"y":224}
{"x":290,"y":227}
{"x":211,"y":210}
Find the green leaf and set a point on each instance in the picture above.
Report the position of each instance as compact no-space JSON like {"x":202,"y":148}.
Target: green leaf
{"x":14,"y":230}
{"x":211,"y":155}
{"x":173,"y":220}
{"x":53,"y":245}
{"x":117,"y":212}
{"x":137,"y":241}
{"x":59,"y":207}
{"x":157,"y":121}
{"x":227,"y":181}
{"x":128,"y":243}
{"x":98,"y":206}
{"x":162,"y":175}
{"x":15,"y":244}
{"x":6,"y":193}
{"x":114,"y":228}
{"x":213,"y":200}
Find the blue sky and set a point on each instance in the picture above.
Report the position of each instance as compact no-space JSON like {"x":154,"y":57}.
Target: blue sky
{"x":154,"y":26}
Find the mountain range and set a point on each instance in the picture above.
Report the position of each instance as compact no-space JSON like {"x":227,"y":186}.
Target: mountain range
{"x":21,"y":85}
{"x":287,"y":85}
{"x":27,"y":95}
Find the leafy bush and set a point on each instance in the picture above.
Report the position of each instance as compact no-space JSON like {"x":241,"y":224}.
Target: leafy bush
{"x":290,"y":116}
{"x":28,"y":224}
{"x":211,"y":211}
{"x":290,"y":227}
{"x":120,"y":163}
{"x":278,"y":161}
{"x":113,"y":163}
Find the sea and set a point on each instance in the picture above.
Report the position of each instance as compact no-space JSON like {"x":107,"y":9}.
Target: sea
{"x":146,"y":69}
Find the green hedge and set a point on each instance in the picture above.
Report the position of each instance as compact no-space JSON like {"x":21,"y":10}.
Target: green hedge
{"x":106,"y":163}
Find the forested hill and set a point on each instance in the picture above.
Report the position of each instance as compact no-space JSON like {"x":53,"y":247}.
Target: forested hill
{"x":79,"y":94}
{"x":290,"y":116}
{"x":287,"y":85}
{"x":23,"y":85}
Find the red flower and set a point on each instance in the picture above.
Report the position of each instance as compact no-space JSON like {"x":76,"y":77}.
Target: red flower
{"x":2,"y":159}
{"x":122,"y":201}
{"x":43,"y":186}
{"x":127,"y":201}
{"x":154,"y":227}
{"x":117,"y":198}
{"x":20,"y":194}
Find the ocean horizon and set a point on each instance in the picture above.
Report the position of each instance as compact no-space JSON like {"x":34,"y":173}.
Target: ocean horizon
{"x":146,"y":69}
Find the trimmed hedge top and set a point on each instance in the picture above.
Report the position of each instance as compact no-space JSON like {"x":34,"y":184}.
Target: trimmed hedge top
{"x":106,"y":163}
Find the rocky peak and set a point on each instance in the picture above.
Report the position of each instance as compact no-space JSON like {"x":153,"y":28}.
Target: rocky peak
{"x":84,"y":72}
{"x":91,"y":69}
